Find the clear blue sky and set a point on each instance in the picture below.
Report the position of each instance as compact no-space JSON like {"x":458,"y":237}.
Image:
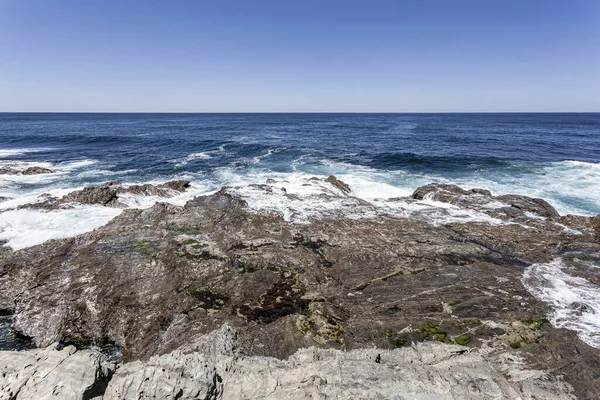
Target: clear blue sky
{"x":309,"y":55}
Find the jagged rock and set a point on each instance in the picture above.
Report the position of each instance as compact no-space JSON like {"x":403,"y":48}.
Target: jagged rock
{"x":482,"y":198}
{"x":425,"y":370}
{"x":50,"y":374}
{"x":108,"y":195}
{"x":154,"y":281}
{"x":191,"y":373}
{"x":36,"y":171}
{"x":338,"y":184}
{"x":446,"y":193}
{"x":595,"y":222}
{"x":101,"y":195}
{"x":536,"y":206}
{"x":211,"y":368}
{"x":161,"y":190}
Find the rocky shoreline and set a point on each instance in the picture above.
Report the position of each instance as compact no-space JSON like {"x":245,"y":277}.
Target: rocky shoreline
{"x":310,"y":304}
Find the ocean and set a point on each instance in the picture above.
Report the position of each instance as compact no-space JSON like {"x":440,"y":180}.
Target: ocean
{"x":381,"y":156}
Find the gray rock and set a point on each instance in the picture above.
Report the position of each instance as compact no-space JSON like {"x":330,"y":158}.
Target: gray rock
{"x":211,"y":368}
{"x":101,"y":195}
{"x":481,"y":199}
{"x":108,"y":195}
{"x":536,"y":206}
{"x":167,"y":189}
{"x":37,"y":171}
{"x":52,"y":374}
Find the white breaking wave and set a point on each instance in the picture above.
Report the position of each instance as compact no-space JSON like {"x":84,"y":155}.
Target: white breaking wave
{"x":300,"y":200}
{"x":574,"y":301}
{"x":11,"y":184}
{"x":17,"y":152}
{"x":579,"y":164}
{"x":25,"y":228}
{"x":194,"y":156}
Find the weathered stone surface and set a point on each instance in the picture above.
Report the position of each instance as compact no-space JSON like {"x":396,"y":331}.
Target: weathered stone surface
{"x":36,"y":170}
{"x":101,"y":195}
{"x":446,"y":193}
{"x":481,"y":198}
{"x":535,"y":206}
{"x":53,"y":374}
{"x":421,"y":371}
{"x":108,"y":195}
{"x":155,"y":281}
{"x":162,"y":190}
{"x":212,"y":368}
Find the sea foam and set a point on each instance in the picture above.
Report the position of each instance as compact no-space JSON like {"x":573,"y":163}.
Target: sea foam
{"x":25,"y":228}
{"x":574,"y":302}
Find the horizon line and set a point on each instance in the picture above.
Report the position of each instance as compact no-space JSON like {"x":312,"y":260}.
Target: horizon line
{"x":299,"y":112}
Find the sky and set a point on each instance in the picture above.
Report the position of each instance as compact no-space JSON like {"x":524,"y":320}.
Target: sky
{"x":299,"y":56}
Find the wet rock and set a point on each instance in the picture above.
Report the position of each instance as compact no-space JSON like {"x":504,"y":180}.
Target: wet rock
{"x":344,"y":187}
{"x":446,"y":193}
{"x":37,"y":171}
{"x":161,"y":190}
{"x":595,"y":222}
{"x":108,"y":195}
{"x":527,"y":204}
{"x":482,"y":199}
{"x":100,"y":195}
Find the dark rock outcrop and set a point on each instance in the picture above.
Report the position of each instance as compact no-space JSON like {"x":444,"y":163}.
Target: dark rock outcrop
{"x":36,"y":170}
{"x":101,"y":195}
{"x":108,"y":194}
{"x":338,"y":184}
{"x":532,"y":205}
{"x":446,"y":193}
{"x":477,"y":198}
